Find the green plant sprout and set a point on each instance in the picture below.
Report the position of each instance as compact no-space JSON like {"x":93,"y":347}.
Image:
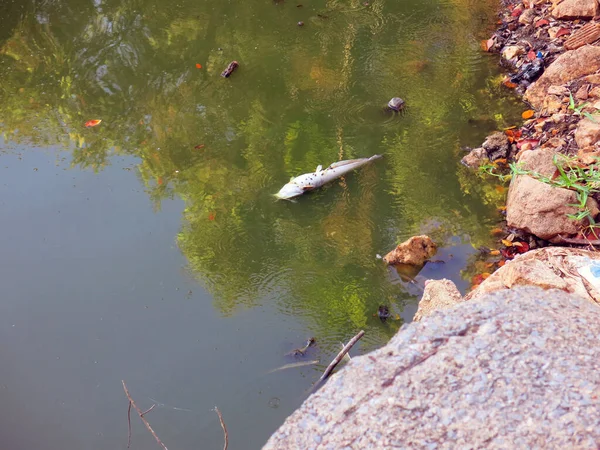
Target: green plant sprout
{"x":578,"y":110}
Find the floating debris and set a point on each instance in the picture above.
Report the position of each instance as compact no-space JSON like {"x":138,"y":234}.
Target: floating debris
{"x":230,"y":68}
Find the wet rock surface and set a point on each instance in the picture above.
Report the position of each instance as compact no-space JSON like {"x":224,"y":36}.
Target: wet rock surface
{"x":414,"y":251}
{"x":517,"y":369}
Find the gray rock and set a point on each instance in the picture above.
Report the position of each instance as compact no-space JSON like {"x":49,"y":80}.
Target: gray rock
{"x":516,"y":369}
{"x":496,"y":146}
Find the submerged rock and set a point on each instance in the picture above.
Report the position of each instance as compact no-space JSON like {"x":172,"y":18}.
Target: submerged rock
{"x":516,"y":369}
{"x":414,"y":252}
{"x":475,"y":158}
{"x":438,"y":294}
{"x":396,"y":104}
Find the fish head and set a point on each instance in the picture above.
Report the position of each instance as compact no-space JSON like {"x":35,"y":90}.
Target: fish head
{"x":288,"y":191}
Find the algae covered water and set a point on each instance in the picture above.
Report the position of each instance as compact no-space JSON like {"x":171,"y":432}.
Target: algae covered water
{"x":149,"y":248}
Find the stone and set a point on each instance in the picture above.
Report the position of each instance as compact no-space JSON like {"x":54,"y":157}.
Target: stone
{"x":511,"y":51}
{"x":585,"y":35}
{"x":576,"y":9}
{"x":414,"y":251}
{"x":496,"y":146}
{"x":527,"y":16}
{"x":583,"y":92}
{"x":539,"y":208}
{"x":514,"y":369}
{"x":438,"y":294}
{"x":594,"y":92}
{"x":475,"y":158}
{"x":561,"y":91}
{"x":587,"y":133}
{"x":588,"y":155}
{"x":547,"y":268}
{"x":568,"y":67}
{"x":552,"y":105}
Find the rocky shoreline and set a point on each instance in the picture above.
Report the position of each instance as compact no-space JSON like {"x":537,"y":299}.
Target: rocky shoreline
{"x":552,"y":54}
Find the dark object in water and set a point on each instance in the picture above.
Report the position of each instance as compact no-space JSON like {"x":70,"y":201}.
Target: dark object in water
{"x":302,"y":351}
{"x":300,"y":24}
{"x":530,"y":71}
{"x":384,"y":313}
{"x":396,"y":104}
{"x":230,"y":68}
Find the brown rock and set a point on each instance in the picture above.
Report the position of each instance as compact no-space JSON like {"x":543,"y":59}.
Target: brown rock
{"x":475,"y":158}
{"x":496,"y":146}
{"x":588,"y":155}
{"x":511,"y":51}
{"x":552,"y":105}
{"x":593,"y":79}
{"x":576,"y":9}
{"x":537,"y":207}
{"x":569,"y":66}
{"x":415,"y":251}
{"x":586,"y":35}
{"x":583,"y":92}
{"x":548,"y":268}
{"x":438,"y":294}
{"x":587,"y":133}
{"x":561,"y":91}
{"x":594,"y":92}
{"x":527,"y":16}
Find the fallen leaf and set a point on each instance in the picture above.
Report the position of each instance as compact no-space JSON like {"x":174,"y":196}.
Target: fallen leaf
{"x":159,"y":181}
{"x":523,"y":247}
{"x":199,"y":146}
{"x":531,"y":55}
{"x":487,"y":44}
{"x":486,"y":275}
{"x":502,"y":208}
{"x":563,"y":32}
{"x":528,"y":114}
{"x":211,"y":216}
{"x":501,"y":263}
{"x":477,"y":279}
{"x":500,"y":161}
{"x":541,"y":23}
{"x":496,"y":231}
{"x":489,"y":265}
{"x":500,"y":189}
{"x":92,"y":123}
{"x":527,"y":144}
{"x":507,"y":242}
{"x":509,"y":84}
{"x":495,"y":252}
{"x":516,"y":12}
{"x":198,"y":66}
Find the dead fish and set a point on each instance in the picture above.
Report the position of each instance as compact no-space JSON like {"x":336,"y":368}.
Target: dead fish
{"x":310,"y":181}
{"x":294,"y":365}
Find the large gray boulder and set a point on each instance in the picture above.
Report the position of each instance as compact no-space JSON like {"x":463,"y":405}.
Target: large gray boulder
{"x":515,"y":369}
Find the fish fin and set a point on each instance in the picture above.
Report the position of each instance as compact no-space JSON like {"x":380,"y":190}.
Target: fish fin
{"x":319,"y":168}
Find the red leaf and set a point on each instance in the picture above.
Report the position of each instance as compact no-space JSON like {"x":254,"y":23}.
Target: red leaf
{"x":198,"y":66}
{"x":477,"y":279}
{"x":528,"y":142}
{"x":199,"y":146}
{"x":92,"y":123}
{"x":541,"y":23}
{"x":509,"y":84}
{"x":563,"y":32}
{"x":516,"y":12}
{"x":531,"y":55}
{"x":521,"y":247}
{"x":211,"y":216}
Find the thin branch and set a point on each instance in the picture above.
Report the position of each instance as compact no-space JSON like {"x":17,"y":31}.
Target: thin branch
{"x":129,"y":426}
{"x":148,"y":410}
{"x":226,"y":444}
{"x":141,"y":414}
{"x":575,"y":241}
{"x":338,"y":358}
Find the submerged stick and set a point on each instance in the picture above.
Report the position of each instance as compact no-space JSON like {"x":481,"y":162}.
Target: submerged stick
{"x":226,"y":444}
{"x":141,"y":414}
{"x":294,"y":365}
{"x":339,"y":357}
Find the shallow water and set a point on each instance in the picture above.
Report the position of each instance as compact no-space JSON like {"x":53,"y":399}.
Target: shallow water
{"x":128,"y":253}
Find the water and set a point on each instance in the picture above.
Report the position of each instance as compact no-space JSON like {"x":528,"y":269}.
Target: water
{"x":129,"y":254}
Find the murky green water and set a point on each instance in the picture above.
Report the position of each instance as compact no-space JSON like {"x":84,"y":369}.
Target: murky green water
{"x":128,"y":253}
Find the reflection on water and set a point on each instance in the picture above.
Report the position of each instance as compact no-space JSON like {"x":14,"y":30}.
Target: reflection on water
{"x":302,"y":96}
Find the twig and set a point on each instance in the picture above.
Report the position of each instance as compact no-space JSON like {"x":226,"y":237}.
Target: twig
{"x":226,"y":444}
{"x":148,"y":410}
{"x":575,"y":241}
{"x":141,"y":414}
{"x":338,"y":358}
{"x":129,"y":426}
